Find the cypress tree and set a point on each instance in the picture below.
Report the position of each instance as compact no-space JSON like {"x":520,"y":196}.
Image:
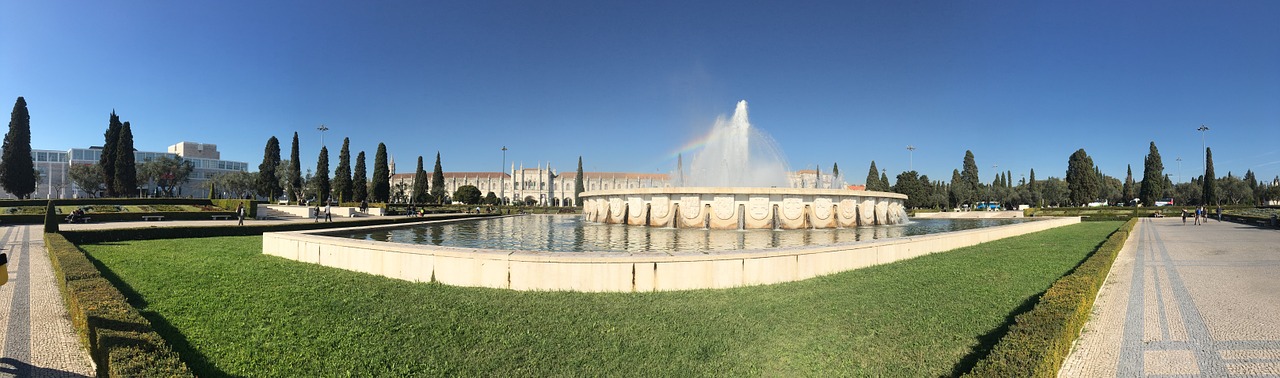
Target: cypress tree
{"x":17,"y":170}
{"x":359,"y":182}
{"x":578,"y":186}
{"x":267,"y":184}
{"x":873,"y":177}
{"x":969,"y":176}
{"x":126,"y":171}
{"x":381,"y":178}
{"x":322,"y":175}
{"x":884,"y":183}
{"x":342,"y":174}
{"x":835,"y":171}
{"x":419,"y":193}
{"x":1152,"y":177}
{"x":437,"y":181}
{"x":1210,"y":192}
{"x":1082,"y":182}
{"x":295,"y":163}
{"x":108,"y":159}
{"x":1130,"y":188}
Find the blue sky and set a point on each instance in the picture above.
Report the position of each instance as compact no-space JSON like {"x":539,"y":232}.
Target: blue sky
{"x":624,"y":84}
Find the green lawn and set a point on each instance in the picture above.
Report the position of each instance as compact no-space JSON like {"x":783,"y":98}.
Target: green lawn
{"x":230,"y":310}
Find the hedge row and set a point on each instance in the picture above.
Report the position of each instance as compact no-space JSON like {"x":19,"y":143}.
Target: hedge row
{"x":107,"y":201}
{"x":250,"y":206}
{"x":1040,"y":339}
{"x":151,"y":233}
{"x":121,"y":341}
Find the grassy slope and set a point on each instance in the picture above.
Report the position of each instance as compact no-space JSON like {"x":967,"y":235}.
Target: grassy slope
{"x":235,"y":311}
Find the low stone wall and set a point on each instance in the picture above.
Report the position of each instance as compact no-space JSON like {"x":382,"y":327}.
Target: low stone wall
{"x":619,"y":272}
{"x":743,"y":208}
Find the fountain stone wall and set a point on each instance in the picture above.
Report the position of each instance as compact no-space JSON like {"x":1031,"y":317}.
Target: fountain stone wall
{"x":744,"y":208}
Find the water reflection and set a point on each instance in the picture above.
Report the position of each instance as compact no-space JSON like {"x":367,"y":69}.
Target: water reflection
{"x":570,"y":233}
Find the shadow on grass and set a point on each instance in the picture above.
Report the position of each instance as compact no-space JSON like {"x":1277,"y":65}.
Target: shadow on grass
{"x":988,"y":340}
{"x":196,"y":361}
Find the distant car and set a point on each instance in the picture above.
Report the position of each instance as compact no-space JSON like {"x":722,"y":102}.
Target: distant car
{"x":1164,"y":202}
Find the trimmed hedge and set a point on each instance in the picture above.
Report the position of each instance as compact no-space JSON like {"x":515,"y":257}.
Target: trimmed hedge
{"x":151,"y":233}
{"x":121,"y":341}
{"x":250,"y":206}
{"x":1040,"y":339}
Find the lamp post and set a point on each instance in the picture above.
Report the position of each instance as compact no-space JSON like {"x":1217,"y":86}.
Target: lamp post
{"x":1179,"y":169}
{"x":911,"y":157}
{"x":502,"y":179}
{"x":322,"y":129}
{"x":1204,"y":159}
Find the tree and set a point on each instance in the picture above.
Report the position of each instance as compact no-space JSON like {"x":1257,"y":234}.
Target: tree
{"x":108,"y":159}
{"x":969,"y":177}
{"x":960,"y":192}
{"x":835,"y":174}
{"x":910,"y":183}
{"x":437,"y":181}
{"x":359,"y":182}
{"x":342,"y":174}
{"x":1130,"y":189}
{"x":295,"y":170}
{"x":1210,"y":187}
{"x":17,"y":170}
{"x":884,"y":182}
{"x":284,"y":177}
{"x":1082,"y":181}
{"x":1252,"y":181}
{"x":87,"y":177}
{"x":1152,"y":172}
{"x":578,"y":186}
{"x":873,"y":178}
{"x":381,"y":179}
{"x":322,"y":175}
{"x":267,"y":183}
{"x":1235,"y":190}
{"x":126,"y":168}
{"x":419,"y":192}
{"x":168,"y":173}
{"x":1033,"y":190}
{"x":468,"y":194}
{"x":238,"y":184}
{"x":1055,"y":192}
{"x":491,"y":199}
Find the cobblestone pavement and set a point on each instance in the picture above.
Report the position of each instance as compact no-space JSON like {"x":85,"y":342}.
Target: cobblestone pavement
{"x":1186,"y":300}
{"x":36,"y":337}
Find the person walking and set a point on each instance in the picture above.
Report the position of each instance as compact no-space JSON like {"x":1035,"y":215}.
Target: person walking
{"x":328,"y":214}
{"x":1184,"y":217}
{"x":240,"y":213}
{"x":1219,"y":213}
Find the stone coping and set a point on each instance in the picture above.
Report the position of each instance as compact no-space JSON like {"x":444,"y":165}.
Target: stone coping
{"x":617,"y":271}
{"x":713,"y":190}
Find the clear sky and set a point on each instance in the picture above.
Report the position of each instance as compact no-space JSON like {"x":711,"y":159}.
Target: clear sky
{"x":1022,"y":84}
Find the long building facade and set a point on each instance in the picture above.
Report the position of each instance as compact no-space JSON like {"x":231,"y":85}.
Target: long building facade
{"x":541,"y":186}
{"x":55,"y":166}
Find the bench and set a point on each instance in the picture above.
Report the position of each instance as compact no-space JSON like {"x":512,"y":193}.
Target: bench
{"x":221,"y":217}
{"x":81,"y":220}
{"x":152,"y":218}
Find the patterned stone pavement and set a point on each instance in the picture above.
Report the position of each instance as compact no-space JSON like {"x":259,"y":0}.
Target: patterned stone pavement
{"x":36,"y":337}
{"x":1186,"y":300}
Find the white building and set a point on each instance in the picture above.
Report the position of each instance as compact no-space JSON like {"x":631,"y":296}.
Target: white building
{"x":54,"y":167}
{"x":542,"y":186}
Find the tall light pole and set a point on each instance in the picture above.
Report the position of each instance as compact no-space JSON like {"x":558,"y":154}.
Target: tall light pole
{"x":322,"y":129}
{"x":911,"y":156}
{"x":1179,"y":169}
{"x":502,"y":179}
{"x":1204,"y":160}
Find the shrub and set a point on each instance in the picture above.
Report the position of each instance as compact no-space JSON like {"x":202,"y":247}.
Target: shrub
{"x":1040,"y":339}
{"x":50,"y":218}
{"x":121,"y":341}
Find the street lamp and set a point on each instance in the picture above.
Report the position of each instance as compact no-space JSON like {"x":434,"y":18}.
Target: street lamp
{"x":502,"y":178}
{"x":1179,"y":169}
{"x":911,"y":157}
{"x":322,"y":129}
{"x":1204,"y":160}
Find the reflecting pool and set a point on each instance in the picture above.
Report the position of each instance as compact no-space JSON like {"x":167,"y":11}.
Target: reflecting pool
{"x":572,"y":233}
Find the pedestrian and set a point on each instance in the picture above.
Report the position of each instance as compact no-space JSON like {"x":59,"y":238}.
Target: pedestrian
{"x":1184,"y":217}
{"x":1219,"y":213}
{"x":317,"y":213}
{"x":328,"y":216}
{"x":240,"y":213}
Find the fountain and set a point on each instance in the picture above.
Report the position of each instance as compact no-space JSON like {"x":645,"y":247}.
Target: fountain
{"x":739,"y":181}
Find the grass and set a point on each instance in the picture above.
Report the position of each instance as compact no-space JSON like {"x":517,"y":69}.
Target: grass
{"x":230,"y":310}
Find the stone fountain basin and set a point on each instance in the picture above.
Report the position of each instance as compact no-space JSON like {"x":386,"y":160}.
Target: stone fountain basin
{"x":744,"y":208}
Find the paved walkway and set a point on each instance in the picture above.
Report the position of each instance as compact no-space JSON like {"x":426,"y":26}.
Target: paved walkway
{"x":1186,"y":301}
{"x":36,"y":337}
